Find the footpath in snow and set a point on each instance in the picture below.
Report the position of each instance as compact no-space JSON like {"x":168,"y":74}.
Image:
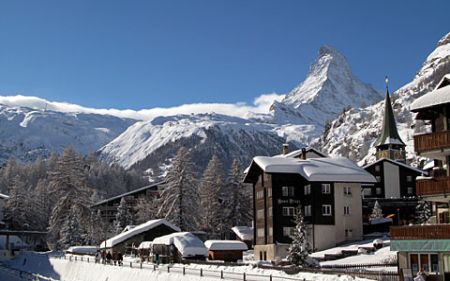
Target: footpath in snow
{"x":71,"y":270}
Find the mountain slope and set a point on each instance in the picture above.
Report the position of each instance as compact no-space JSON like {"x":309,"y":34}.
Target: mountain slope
{"x":353,"y":133}
{"x":329,"y":88}
{"x":27,"y":133}
{"x":149,"y":145}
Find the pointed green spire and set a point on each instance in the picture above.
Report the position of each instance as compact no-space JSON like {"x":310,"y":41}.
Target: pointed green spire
{"x":389,"y":134}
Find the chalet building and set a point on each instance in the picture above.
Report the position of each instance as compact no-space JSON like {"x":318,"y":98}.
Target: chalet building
{"x":329,"y":190}
{"x":427,"y":247}
{"x":127,"y":240}
{"x":395,"y":188}
{"x":108,"y":207}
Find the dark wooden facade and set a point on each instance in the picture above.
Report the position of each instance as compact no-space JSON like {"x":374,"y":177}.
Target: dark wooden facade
{"x":108,"y":207}
{"x":225,"y":255}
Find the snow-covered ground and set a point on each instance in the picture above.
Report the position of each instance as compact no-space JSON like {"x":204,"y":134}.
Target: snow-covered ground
{"x":365,"y":244}
{"x":71,"y":270}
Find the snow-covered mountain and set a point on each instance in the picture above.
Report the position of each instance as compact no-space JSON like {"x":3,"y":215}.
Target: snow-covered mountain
{"x":27,"y":133}
{"x":299,"y":119}
{"x":329,"y":88}
{"x":353,"y":133}
{"x":150,"y":145}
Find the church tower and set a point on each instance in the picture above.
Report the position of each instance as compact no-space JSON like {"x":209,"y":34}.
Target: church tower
{"x":389,"y":144}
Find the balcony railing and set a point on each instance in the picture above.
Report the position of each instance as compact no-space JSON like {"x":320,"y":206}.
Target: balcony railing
{"x":420,"y":232}
{"x":432,"y":141}
{"x":433,"y":186}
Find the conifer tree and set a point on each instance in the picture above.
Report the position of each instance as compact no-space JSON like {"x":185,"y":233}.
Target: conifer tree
{"x":299,"y":249}
{"x":179,"y":202}
{"x":18,"y":209}
{"x":146,"y":210}
{"x":423,"y":211}
{"x":124,"y":216}
{"x":72,"y":233}
{"x":239,"y":200}
{"x":377,"y":212}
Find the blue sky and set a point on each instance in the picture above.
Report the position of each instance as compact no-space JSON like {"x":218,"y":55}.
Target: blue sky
{"x":144,"y":54}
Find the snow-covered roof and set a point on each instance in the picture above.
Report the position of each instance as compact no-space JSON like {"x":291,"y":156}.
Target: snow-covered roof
{"x":441,"y":95}
{"x":145,"y":245}
{"x":187,"y":243}
{"x":395,"y":163}
{"x":298,"y":152}
{"x":224,"y":245}
{"x":429,"y":165}
{"x":3,"y":196}
{"x":243,"y":232}
{"x":111,"y":242}
{"x":381,"y":221}
{"x":316,"y":169}
{"x":85,"y":250}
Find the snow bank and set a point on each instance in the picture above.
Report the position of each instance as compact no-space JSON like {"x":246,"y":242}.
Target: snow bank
{"x":82,"y":250}
{"x":223,"y":245}
{"x":384,"y":255}
{"x":365,"y":244}
{"x":135,"y":231}
{"x":187,"y":243}
{"x":60,"y":269}
{"x":145,"y":245}
{"x":243,"y":232}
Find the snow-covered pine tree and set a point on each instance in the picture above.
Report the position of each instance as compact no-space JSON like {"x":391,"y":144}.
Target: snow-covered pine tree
{"x":124,"y":216}
{"x":72,"y":233}
{"x":212,"y":211}
{"x":299,"y":249}
{"x":68,"y":187}
{"x":17,"y":208}
{"x":179,"y":202}
{"x":423,"y":211}
{"x":239,"y":199}
{"x":146,"y":210}
{"x":377,"y":212}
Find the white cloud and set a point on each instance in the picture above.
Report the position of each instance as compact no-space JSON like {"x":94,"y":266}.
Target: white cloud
{"x":261,"y":104}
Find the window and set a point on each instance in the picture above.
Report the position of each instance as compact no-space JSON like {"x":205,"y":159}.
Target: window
{"x":287,"y":191}
{"x":287,"y":231}
{"x":378,"y":190}
{"x":288,"y":211}
{"x":367,"y":191}
{"x":326,"y":188}
{"x":409,"y":178}
{"x":326,"y":210}
{"x":409,"y":190}
{"x":348,"y":233}
{"x":259,"y":214}
{"x":377,"y":168}
{"x":347,"y":190}
{"x":260,"y":232}
{"x":346,"y":210}
{"x":269,"y":211}
{"x":424,"y":262}
{"x":378,"y":178}
{"x":307,"y":189}
{"x":269,"y":192}
{"x":260,"y":194}
{"x":307,"y":210}
{"x":270,"y":231}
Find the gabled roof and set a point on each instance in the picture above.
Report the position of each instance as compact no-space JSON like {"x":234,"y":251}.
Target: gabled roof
{"x":313,"y":169}
{"x":243,"y":232}
{"x":121,"y":237}
{"x":225,"y":245}
{"x":440,"y":95}
{"x":187,"y":243}
{"x":396,"y":163}
{"x":389,"y":133}
{"x":155,"y":185}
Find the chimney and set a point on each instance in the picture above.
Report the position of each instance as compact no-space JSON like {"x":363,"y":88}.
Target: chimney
{"x":285,"y":148}
{"x":304,"y":153}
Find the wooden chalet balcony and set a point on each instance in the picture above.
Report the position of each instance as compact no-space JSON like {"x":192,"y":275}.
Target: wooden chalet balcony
{"x":419,"y":232}
{"x":432,"y":141}
{"x":433,"y":186}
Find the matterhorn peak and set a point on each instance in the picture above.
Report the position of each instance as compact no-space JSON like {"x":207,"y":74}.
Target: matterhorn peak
{"x":329,"y":88}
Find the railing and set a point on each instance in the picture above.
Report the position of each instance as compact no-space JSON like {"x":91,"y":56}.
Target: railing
{"x":434,"y":186}
{"x":419,"y":232}
{"x":432,"y":141}
{"x":230,"y":275}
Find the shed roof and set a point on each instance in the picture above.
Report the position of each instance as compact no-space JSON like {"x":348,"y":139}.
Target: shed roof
{"x":187,"y":243}
{"x":225,"y":245}
{"x":243,"y":232}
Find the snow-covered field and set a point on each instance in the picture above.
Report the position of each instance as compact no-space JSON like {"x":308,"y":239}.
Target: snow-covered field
{"x":71,"y":270}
